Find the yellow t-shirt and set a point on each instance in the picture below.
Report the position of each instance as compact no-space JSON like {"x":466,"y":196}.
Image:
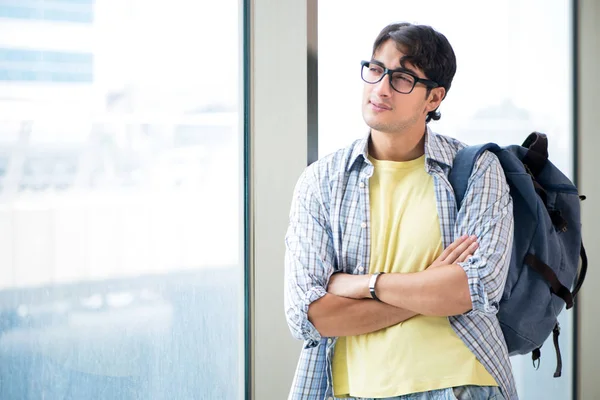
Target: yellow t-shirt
{"x":422,"y":353}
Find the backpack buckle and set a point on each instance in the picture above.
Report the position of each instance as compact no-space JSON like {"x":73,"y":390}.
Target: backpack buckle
{"x":535,"y":356}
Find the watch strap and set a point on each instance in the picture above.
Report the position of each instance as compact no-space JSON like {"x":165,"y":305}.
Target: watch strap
{"x":372,"y":283}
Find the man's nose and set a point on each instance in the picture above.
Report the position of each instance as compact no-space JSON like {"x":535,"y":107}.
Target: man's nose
{"x":383,"y":87}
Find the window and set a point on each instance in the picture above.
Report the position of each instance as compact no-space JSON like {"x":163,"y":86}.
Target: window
{"x":25,"y":65}
{"x":121,"y":204}
{"x":514,"y":76}
{"x":79,"y":11}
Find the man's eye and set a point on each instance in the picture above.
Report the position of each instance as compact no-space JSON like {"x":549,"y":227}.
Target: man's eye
{"x":403,"y":78}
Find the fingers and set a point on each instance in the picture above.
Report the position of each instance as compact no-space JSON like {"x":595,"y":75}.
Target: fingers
{"x":461,"y":247}
{"x":452,"y":247}
{"x":467,"y":253}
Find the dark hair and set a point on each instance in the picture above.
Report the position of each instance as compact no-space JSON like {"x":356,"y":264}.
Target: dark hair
{"x":426,"y":49}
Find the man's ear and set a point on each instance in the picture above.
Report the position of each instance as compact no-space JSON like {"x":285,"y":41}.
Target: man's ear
{"x":436,"y":95}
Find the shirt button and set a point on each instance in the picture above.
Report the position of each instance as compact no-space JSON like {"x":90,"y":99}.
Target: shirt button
{"x":330,"y":398}
{"x":363,"y":225}
{"x":361,"y":184}
{"x":329,"y":341}
{"x":361,"y":268}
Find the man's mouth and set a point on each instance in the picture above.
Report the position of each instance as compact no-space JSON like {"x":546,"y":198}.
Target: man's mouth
{"x":380,"y":106}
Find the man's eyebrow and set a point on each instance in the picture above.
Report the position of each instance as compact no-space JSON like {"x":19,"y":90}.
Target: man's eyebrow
{"x":399,"y":69}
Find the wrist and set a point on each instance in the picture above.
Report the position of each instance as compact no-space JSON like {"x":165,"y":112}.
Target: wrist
{"x":364,"y":286}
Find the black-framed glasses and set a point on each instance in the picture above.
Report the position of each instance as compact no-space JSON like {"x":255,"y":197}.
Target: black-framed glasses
{"x":401,"y":80}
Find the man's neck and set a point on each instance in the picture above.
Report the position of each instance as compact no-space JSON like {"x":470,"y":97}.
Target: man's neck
{"x":396,"y":146}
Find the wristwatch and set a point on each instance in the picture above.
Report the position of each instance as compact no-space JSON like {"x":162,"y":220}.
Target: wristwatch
{"x":372,"y":283}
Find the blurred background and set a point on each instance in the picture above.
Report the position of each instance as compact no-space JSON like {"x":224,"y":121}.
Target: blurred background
{"x":148,"y":150}
{"x":117,"y":235}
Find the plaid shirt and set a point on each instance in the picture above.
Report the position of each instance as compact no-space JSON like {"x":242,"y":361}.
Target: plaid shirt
{"x":329,"y":231}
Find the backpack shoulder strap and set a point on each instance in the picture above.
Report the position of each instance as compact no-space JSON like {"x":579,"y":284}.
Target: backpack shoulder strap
{"x":463,"y":164}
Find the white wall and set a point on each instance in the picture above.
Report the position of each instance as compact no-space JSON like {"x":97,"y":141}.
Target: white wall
{"x":278,"y":151}
{"x":589,"y":182}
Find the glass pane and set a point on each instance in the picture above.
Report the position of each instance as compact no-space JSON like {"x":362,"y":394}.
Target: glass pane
{"x":514,"y":76}
{"x":121,"y":215}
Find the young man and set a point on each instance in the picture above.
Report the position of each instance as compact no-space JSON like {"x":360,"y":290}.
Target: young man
{"x":395,"y":293}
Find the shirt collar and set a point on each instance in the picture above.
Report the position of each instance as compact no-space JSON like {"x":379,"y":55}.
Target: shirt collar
{"x":434,"y":149}
{"x":438,"y":149}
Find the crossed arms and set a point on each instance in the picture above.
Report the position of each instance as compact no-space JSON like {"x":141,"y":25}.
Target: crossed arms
{"x":442,"y":289}
{"x":467,"y":278}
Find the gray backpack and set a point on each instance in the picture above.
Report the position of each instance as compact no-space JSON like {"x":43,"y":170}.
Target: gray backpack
{"x":547,"y":245}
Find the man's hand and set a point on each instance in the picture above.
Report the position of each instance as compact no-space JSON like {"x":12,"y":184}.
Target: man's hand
{"x":348,"y":285}
{"x":459,"y":251}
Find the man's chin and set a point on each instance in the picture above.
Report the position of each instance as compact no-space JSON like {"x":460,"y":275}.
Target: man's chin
{"x":374,"y":123}
{"x":377,"y":125}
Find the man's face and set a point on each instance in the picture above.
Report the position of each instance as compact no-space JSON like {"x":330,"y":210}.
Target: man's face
{"x":387,"y":110}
